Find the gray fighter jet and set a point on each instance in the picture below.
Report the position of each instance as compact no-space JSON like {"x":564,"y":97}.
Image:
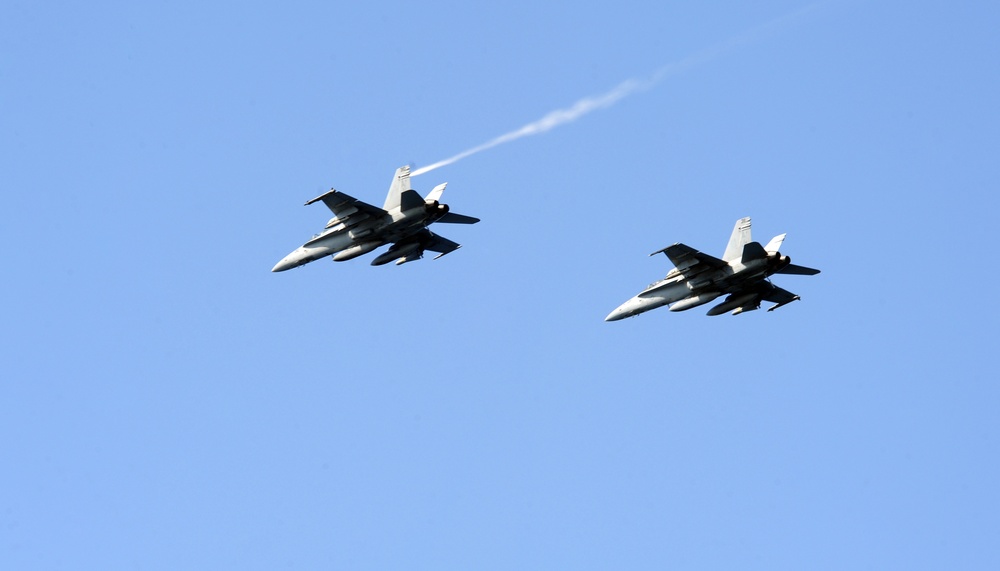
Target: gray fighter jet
{"x":358,"y":228}
{"x":699,"y":278}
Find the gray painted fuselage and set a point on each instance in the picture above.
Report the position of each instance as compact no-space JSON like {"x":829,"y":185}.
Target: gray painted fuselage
{"x":347,"y":243}
{"x":358,"y":227}
{"x":699,"y":278}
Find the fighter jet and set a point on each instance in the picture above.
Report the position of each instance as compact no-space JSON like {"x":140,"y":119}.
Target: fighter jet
{"x":698,"y":278}
{"x":358,"y":228}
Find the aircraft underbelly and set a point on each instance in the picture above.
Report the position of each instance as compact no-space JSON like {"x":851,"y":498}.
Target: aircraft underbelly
{"x":403,"y":228}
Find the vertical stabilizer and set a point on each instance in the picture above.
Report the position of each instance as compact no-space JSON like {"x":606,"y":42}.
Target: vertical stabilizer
{"x":775,"y":244}
{"x":435,"y":195}
{"x":400,"y":182}
{"x":739,"y":238}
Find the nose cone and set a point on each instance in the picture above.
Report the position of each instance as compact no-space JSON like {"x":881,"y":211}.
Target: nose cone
{"x":290,"y":261}
{"x":627,"y":309}
{"x":616,"y":315}
{"x":301,"y":256}
{"x":634,"y":307}
{"x":283,"y":265}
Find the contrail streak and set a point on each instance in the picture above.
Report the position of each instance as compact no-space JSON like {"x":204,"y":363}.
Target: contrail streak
{"x":621,"y":91}
{"x":549,"y":122}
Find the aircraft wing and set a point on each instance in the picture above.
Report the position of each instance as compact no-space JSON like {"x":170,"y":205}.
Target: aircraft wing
{"x":689,"y":261}
{"x":776,"y":295}
{"x":430,"y":241}
{"x":345,"y":206}
{"x":440,"y":244}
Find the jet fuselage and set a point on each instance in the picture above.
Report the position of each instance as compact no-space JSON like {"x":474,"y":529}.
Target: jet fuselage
{"x":697,"y":278}
{"x":348,"y":242}
{"x":700,"y":290}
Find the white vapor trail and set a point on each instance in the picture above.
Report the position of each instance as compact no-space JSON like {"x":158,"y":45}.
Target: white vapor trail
{"x":547,"y":123}
{"x":623,"y":90}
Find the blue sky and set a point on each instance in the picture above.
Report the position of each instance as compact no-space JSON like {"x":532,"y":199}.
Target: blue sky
{"x":167,"y":402}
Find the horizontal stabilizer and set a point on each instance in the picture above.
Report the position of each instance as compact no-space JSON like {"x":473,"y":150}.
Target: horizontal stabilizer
{"x":753,"y":251}
{"x":452,"y":218}
{"x":798,"y":270}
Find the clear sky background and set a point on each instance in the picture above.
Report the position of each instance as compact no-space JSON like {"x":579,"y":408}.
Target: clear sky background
{"x":168,"y":403}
